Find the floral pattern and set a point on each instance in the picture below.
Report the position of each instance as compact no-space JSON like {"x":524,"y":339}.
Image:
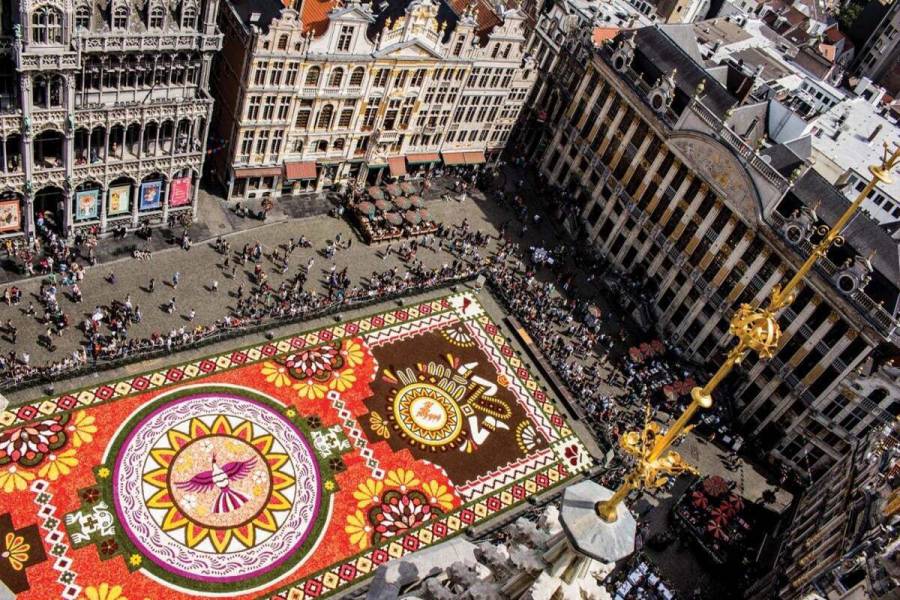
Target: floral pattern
{"x":15,"y":479}
{"x":15,"y":550}
{"x":104,"y":591}
{"x":275,"y":374}
{"x":29,"y":444}
{"x":58,"y":465}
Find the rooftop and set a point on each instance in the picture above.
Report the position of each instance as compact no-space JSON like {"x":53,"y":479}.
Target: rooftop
{"x":858,"y":122}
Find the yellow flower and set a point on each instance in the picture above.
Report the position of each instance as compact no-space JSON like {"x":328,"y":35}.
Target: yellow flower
{"x":58,"y":465}
{"x":376,"y":422}
{"x":368,"y":492}
{"x":342,"y":380}
{"x":135,"y":560}
{"x":102,"y":472}
{"x":310,"y":390}
{"x":358,"y":529}
{"x":81,"y":429}
{"x":16,"y":551}
{"x":276,"y":374}
{"x":352,"y":353}
{"x":402,"y":478}
{"x":103,"y":592}
{"x":14,"y":479}
{"x":329,"y":485}
{"x":290,"y":413}
{"x":438,"y":494}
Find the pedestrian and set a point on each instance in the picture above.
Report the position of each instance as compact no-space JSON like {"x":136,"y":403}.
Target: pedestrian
{"x":30,"y":311}
{"x":214,"y":285}
{"x":191,"y":315}
{"x":175,"y":279}
{"x":233,"y":271}
{"x":152,"y":285}
{"x":172,"y":305}
{"x":11,"y":329}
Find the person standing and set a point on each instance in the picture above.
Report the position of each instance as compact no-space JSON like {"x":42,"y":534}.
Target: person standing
{"x":175,"y":279}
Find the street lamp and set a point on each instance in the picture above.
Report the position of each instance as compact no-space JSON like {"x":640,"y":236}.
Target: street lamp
{"x":757,"y":330}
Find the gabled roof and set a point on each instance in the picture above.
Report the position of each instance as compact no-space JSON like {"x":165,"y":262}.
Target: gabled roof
{"x":400,"y":46}
{"x":603,"y":34}
{"x":314,"y":14}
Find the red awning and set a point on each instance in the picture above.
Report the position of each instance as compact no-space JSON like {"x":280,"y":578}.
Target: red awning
{"x":454,"y":158}
{"x":397,"y":165}
{"x":427,"y":157}
{"x":475,"y":158}
{"x":300,"y":170}
{"x":257,"y":172}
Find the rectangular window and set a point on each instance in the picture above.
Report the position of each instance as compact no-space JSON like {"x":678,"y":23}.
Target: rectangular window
{"x":400,"y":79}
{"x":345,"y":118}
{"x":371,"y":113}
{"x":302,"y":119}
{"x":284,"y":109}
{"x":269,"y":108}
{"x":262,"y":68}
{"x":345,"y":38}
{"x":253,"y":108}
{"x":390,"y":117}
{"x":291,"y":76}
{"x":418,"y":77}
{"x":381,"y":77}
{"x":275,"y":75}
{"x":247,"y":146}
{"x":277,"y":139}
{"x":262,"y":143}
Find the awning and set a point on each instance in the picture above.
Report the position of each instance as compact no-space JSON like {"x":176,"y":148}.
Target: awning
{"x":300,"y":169}
{"x":397,"y":165}
{"x":427,"y":157}
{"x":474,"y":158}
{"x":454,"y":158}
{"x":257,"y":172}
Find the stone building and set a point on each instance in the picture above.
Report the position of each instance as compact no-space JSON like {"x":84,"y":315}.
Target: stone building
{"x":103,"y":112}
{"x":674,"y":178}
{"x":326,"y":93}
{"x":841,"y":542}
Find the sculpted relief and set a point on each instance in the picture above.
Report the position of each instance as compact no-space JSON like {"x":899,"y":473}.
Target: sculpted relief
{"x":716,"y":165}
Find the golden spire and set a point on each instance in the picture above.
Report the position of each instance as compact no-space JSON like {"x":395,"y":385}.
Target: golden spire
{"x":756,"y":330}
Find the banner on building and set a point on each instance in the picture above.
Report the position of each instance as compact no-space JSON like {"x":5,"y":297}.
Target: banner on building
{"x":87,"y":205}
{"x":10,"y":216}
{"x":180,"y":192}
{"x":151,"y":195}
{"x":119,"y":200}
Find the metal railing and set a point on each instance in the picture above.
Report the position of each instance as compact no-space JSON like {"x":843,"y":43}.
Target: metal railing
{"x":45,"y":376}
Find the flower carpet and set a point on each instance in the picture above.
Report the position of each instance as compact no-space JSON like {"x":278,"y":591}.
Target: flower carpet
{"x":289,"y":469}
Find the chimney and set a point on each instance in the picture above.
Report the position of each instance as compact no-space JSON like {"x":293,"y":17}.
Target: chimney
{"x":875,"y":133}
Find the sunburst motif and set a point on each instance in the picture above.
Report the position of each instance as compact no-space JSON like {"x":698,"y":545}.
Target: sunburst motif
{"x":195,"y":513}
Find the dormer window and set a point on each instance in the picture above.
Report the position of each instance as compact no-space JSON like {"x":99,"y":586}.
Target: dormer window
{"x":345,"y":38}
{"x":46,"y":26}
{"x":120,"y":18}
{"x":83,"y":18}
{"x":189,"y":18}
{"x":157,"y":18}
{"x":283,"y":42}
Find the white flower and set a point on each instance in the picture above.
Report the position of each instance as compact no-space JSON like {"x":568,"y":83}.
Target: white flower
{"x":259,"y":476}
{"x":189,"y":502}
{"x":206,"y":446}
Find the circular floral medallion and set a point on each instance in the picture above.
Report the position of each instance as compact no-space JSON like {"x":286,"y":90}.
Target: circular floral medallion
{"x":216,"y":488}
{"x":427,"y":415}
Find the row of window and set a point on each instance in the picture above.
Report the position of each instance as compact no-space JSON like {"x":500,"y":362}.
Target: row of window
{"x":47,"y":22}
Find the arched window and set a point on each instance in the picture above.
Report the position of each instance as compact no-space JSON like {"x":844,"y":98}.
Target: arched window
{"x":298,"y":146}
{"x":356,"y":78}
{"x":338,"y":144}
{"x":189,"y":17}
{"x":312,"y":76}
{"x":283,"y":42}
{"x":120,"y":18}
{"x":157,"y":17}
{"x":46,"y":26}
{"x":83,"y":18}
{"x":324,"y":121}
{"x":322,"y":146}
{"x":337,"y":77}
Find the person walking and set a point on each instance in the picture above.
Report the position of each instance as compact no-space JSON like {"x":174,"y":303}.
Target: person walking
{"x":175,"y":279}
{"x":191,"y":315}
{"x":152,"y":285}
{"x":214,"y":286}
{"x":172,"y":305}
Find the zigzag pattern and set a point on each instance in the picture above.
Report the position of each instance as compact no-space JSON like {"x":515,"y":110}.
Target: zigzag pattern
{"x":506,"y":475}
{"x":409,"y":329}
{"x":522,"y":396}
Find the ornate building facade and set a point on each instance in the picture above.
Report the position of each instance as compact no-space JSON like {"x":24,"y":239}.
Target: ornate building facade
{"x":673,"y":178}
{"x":104,"y":112}
{"x":324,"y":93}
